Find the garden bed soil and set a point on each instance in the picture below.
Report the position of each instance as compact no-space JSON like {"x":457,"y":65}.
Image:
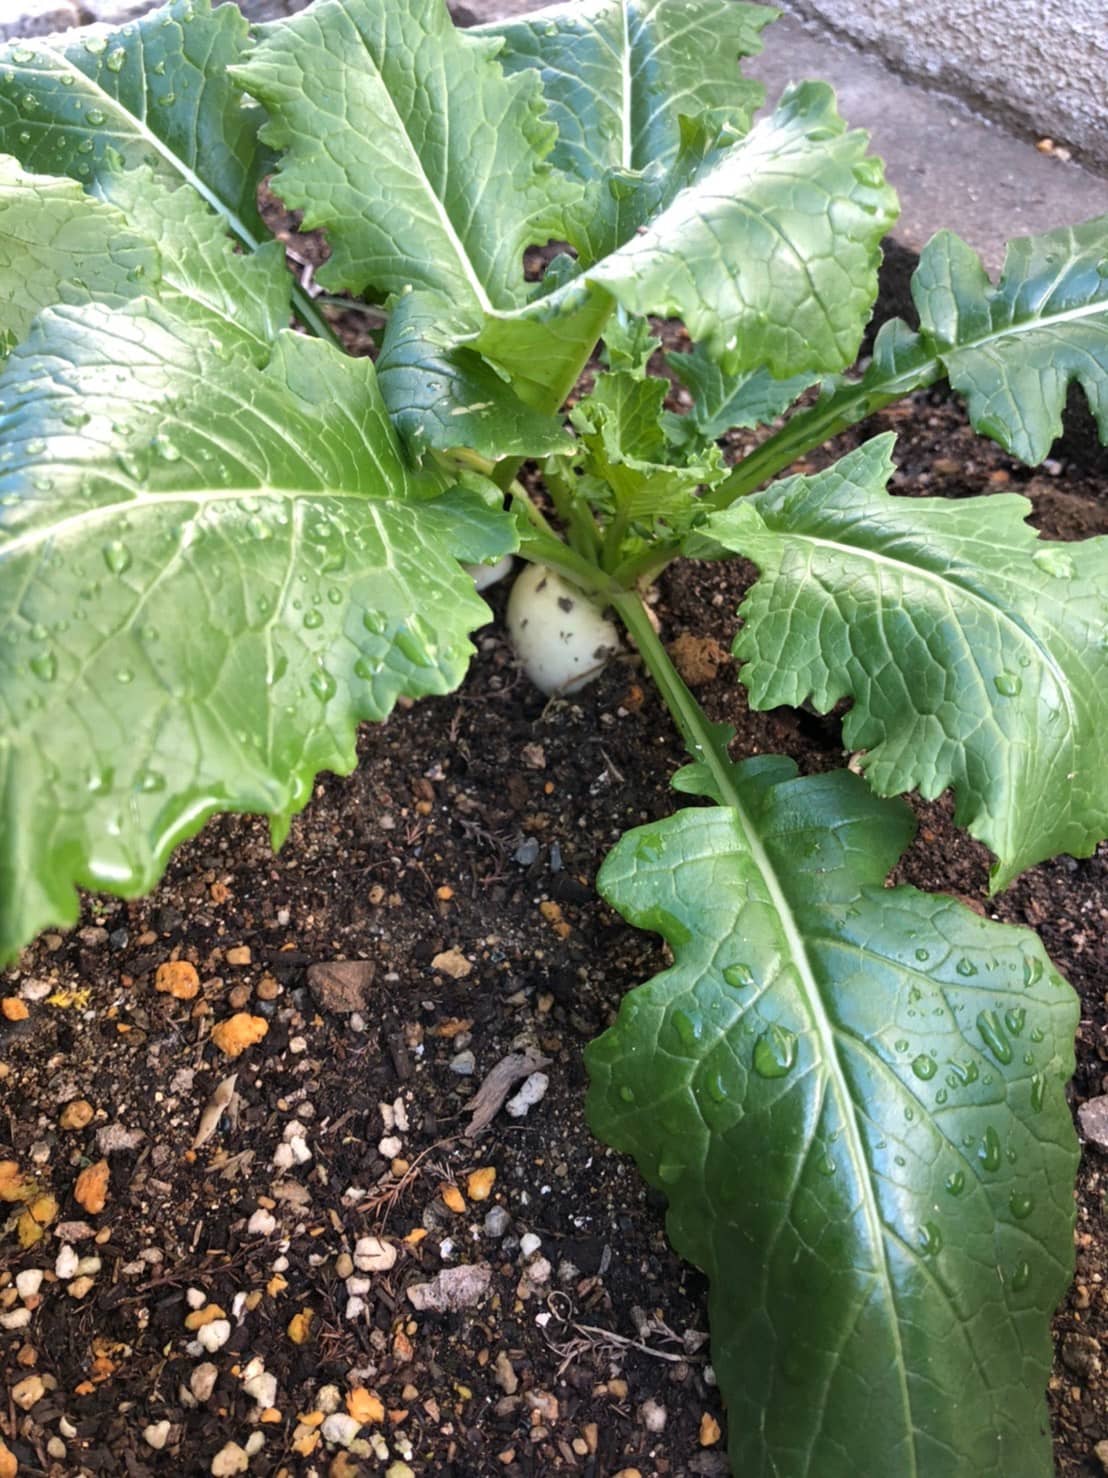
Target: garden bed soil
{"x":460,"y":860}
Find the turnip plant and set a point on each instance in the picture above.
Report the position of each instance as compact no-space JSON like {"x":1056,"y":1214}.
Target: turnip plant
{"x":224,"y":542}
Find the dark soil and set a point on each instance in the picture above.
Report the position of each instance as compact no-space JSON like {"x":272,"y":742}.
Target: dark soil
{"x":475,"y":824}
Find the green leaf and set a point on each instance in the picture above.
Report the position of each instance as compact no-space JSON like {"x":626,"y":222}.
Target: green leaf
{"x":58,"y":245}
{"x":1013,"y":350}
{"x":723,"y":402}
{"x":442,"y":396}
{"x":214,"y":561}
{"x":975,"y":651}
{"x":433,"y":174}
{"x":770,"y":257}
{"x":155,"y":92}
{"x":618,"y":75}
{"x":647,"y":479}
{"x":853,"y":1099}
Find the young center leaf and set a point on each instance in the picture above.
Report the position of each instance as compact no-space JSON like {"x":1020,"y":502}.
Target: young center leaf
{"x":973,"y":650}
{"x":618,"y":76}
{"x":723,"y":402}
{"x":214,"y":561}
{"x":769,"y":252}
{"x":853,"y":1100}
{"x":1012,"y":350}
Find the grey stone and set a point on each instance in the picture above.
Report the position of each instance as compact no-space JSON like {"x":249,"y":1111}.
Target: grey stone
{"x":1081,"y":1355}
{"x":453,"y":1288}
{"x":497,"y":1222}
{"x":1093,"y":1120}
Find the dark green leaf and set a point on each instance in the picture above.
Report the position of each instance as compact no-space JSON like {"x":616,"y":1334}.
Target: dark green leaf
{"x":975,"y":651}
{"x":853,"y":1100}
{"x":1014,"y":349}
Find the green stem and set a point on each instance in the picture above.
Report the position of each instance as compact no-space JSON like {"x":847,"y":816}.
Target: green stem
{"x":548,"y":549}
{"x":851,"y":402}
{"x":534,"y":514}
{"x":575,"y":515}
{"x":704,"y":740}
{"x":305,"y":310}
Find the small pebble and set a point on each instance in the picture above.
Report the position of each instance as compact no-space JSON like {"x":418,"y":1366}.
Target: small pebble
{"x":262,"y":1388}
{"x":28,"y":1282}
{"x":464,"y":1064}
{"x":653,"y":1415}
{"x":27,"y":1392}
{"x":156,"y":1435}
{"x":262,"y":1224}
{"x":214,"y":1336}
{"x":196,"y":1298}
{"x":341,"y":1429}
{"x":202,"y":1380}
{"x":390,"y":1146}
{"x":533,"y":1091}
{"x":372,"y":1255}
{"x":65,"y":1264}
{"x":497,"y":1222}
{"x":329,"y":1399}
{"x":229,"y":1460}
{"x":529,"y":1244}
{"x":344,"y":1265}
{"x":15,"y":1319}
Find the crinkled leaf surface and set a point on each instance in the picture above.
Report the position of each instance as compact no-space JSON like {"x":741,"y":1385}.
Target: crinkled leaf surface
{"x":853,"y":1099}
{"x":976,"y":653}
{"x":722,"y":402}
{"x":405,"y":139}
{"x":1013,"y":350}
{"x":645,"y":476}
{"x":451,"y":396}
{"x":154,"y":92}
{"x":430,"y":168}
{"x":57,"y":244}
{"x":618,"y":75}
{"x":213,"y":562}
{"x":770,"y":257}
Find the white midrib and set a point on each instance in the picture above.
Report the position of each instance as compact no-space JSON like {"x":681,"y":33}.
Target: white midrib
{"x":1025,"y":326}
{"x":930,"y":577}
{"x":825,"y":1031}
{"x":626,"y":151}
{"x":176,"y":163}
{"x":448,"y":228}
{"x":89,"y":517}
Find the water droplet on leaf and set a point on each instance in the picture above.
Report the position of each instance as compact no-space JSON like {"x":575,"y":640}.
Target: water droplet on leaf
{"x":775,"y":1052}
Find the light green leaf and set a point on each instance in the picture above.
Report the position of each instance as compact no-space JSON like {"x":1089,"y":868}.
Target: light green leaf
{"x":723,"y":402}
{"x":770,"y":257}
{"x":211,"y":568}
{"x":442,"y":396}
{"x":618,"y":75}
{"x":646,"y":478}
{"x":407,"y":142}
{"x":853,"y":1099}
{"x":154,"y":92}
{"x":57,"y":245}
{"x":1013,"y":350}
{"x":976,"y":653}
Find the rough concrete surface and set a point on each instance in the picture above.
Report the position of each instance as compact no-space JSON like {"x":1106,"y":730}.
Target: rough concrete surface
{"x":1042,"y":62}
{"x":950,"y":166}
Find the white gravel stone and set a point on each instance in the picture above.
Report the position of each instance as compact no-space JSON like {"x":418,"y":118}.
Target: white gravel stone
{"x":28,"y":1282}
{"x":533,"y":1091}
{"x":230,"y":1460}
{"x":328,"y":1399}
{"x":283,"y":1157}
{"x":15,"y":1319}
{"x":355,"y":1308}
{"x":357,"y":1287}
{"x":65,"y":1264}
{"x":196,"y":1298}
{"x":202,"y":1380}
{"x":372,"y":1255}
{"x":340,"y":1429}
{"x":88,"y":1267}
{"x":214,"y":1336}
{"x":529,"y":1244}
{"x":156,"y":1435}
{"x":254,"y":1443}
{"x":262,"y":1224}
{"x":653,"y":1415}
{"x":390,"y":1146}
{"x":262,"y":1388}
